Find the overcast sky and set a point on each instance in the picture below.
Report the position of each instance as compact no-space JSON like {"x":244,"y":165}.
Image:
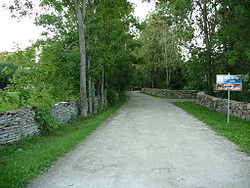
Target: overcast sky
{"x":23,"y":33}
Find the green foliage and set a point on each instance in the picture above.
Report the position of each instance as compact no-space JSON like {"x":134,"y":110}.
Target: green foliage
{"x":7,"y":70}
{"x":4,"y":56}
{"x":112,"y":96}
{"x":159,"y":53}
{"x":220,"y":34}
{"x":194,"y":72}
{"x":49,"y":70}
{"x":234,"y":34}
{"x":47,"y":121}
{"x":43,"y":150}
{"x":9,"y":100}
{"x":29,"y":79}
{"x":110,"y":41}
{"x":238,"y":130}
{"x":62,"y":65}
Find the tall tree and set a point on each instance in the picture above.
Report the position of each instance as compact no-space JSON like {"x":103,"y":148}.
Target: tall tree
{"x":160,"y":48}
{"x":108,"y":39}
{"x":80,"y":14}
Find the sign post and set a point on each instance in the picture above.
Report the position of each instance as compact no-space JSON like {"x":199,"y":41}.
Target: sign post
{"x":228,"y":104}
{"x":228,"y":83}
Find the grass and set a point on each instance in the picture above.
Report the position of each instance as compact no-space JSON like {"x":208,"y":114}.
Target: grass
{"x":238,"y":130}
{"x":162,"y":96}
{"x":22,"y":161}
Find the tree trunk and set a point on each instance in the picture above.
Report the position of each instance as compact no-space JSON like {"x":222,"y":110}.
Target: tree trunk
{"x":90,"y":89}
{"x":169,"y":79}
{"x":207,"y":41}
{"x":152,"y":78}
{"x":95,"y":105}
{"x":102,"y":88}
{"x":83,"y":89}
{"x":105,"y":93}
{"x":167,"y":76}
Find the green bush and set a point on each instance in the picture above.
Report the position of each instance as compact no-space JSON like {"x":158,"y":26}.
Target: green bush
{"x":7,"y":71}
{"x":112,"y":96}
{"x":9,"y":100}
{"x":47,"y":121}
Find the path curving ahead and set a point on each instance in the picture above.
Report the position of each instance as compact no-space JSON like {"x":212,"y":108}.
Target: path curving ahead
{"x":150,"y":143}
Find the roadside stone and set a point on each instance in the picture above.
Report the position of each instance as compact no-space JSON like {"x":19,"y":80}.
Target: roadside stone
{"x":238,"y":109}
{"x":171,"y":93}
{"x":18,"y":124}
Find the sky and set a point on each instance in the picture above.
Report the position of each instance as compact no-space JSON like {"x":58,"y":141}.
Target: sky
{"x":14,"y":33}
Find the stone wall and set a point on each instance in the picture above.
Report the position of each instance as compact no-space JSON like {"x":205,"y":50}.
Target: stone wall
{"x":65,"y":111}
{"x":238,"y":109}
{"x":17,"y":124}
{"x":171,"y":93}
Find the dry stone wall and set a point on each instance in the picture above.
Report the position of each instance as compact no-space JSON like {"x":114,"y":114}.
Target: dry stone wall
{"x":171,"y":93}
{"x":17,"y":124}
{"x":65,"y":111}
{"x":20,"y":123}
{"x":238,"y":109}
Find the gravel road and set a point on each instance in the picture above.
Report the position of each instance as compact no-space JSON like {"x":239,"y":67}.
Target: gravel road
{"x":150,"y":143}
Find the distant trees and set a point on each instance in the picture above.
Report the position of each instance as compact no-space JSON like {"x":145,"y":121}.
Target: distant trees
{"x":160,"y":53}
{"x":214,"y":37}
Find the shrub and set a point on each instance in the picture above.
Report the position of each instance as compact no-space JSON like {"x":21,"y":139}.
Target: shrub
{"x":112,"y":96}
{"x":47,"y":121}
{"x":7,"y":71}
{"x":9,"y":100}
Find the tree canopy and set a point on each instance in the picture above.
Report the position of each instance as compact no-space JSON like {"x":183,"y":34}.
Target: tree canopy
{"x":50,"y":70}
{"x":98,"y":48}
{"x":212,"y":37}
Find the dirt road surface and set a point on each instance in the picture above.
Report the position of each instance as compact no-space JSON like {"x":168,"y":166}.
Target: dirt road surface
{"x":150,"y":143}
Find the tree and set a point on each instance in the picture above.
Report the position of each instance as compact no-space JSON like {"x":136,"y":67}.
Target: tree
{"x":202,"y":16}
{"x":80,"y":14}
{"x":108,"y":45}
{"x":160,"y":49}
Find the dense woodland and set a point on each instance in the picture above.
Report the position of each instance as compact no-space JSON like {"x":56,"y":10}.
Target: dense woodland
{"x":98,"y":48}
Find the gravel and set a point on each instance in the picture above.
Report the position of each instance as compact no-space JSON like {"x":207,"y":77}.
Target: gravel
{"x":150,"y":143}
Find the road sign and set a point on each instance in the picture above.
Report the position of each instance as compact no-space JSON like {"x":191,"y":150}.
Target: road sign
{"x":229,"y":82}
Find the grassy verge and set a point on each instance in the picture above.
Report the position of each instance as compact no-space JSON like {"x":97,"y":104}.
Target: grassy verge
{"x":162,"y":96}
{"x":238,"y":130}
{"x":23,"y":160}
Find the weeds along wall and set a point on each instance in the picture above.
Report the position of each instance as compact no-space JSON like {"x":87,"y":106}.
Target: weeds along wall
{"x":18,"y":124}
{"x":171,"y":93}
{"x":238,"y":109}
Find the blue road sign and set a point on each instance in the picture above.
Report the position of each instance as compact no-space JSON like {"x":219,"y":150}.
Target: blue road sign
{"x":229,"y":79}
